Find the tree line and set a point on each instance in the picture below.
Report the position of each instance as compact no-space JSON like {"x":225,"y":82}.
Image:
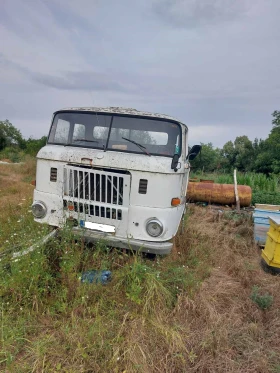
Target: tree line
{"x":12,"y":140}
{"x":243,"y":154}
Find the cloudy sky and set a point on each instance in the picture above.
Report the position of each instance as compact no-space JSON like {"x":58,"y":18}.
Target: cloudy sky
{"x":213,"y":64}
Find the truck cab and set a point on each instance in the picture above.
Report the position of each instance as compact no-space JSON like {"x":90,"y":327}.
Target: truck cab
{"x":115,"y":174}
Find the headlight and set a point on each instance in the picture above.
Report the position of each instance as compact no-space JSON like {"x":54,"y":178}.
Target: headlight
{"x":154,"y":227}
{"x":39,"y":209}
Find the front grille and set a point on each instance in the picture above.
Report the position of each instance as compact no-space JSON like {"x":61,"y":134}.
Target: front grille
{"x":94,"y":186}
{"x":96,"y":193}
{"x":95,"y":210}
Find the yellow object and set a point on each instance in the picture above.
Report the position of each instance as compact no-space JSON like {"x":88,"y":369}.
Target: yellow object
{"x":271,"y":252}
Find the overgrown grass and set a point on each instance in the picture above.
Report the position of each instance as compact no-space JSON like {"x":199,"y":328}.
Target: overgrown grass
{"x":257,"y":181}
{"x":17,"y":227}
{"x":44,"y":286}
{"x":191,"y":311}
{"x":271,"y":198}
{"x":12,"y":154}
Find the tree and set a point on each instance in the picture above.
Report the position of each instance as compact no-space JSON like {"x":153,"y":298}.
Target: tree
{"x":273,"y":143}
{"x":208,"y":160}
{"x":244,"y":160}
{"x":228,"y":156}
{"x":238,"y":154}
{"x":10,"y":136}
{"x":276,"y":120}
{"x":268,"y":158}
{"x":32,"y":146}
{"x":3,"y":142}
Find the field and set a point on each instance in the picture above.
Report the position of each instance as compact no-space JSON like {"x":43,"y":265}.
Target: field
{"x":207,"y":307}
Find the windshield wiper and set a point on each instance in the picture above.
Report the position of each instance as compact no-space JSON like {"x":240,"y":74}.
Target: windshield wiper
{"x":140,"y":146}
{"x":85,"y":140}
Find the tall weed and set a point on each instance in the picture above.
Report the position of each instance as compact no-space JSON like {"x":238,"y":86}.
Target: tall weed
{"x":257,"y":181}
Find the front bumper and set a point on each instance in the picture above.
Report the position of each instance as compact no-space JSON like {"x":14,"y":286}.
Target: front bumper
{"x":160,"y":248}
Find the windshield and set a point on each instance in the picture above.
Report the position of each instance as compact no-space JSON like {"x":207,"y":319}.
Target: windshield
{"x":116,"y":132}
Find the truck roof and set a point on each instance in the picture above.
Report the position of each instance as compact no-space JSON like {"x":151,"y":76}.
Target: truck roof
{"x":120,"y":110}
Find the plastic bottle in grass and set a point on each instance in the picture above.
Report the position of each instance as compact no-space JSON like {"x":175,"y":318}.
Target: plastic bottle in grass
{"x":96,"y":277}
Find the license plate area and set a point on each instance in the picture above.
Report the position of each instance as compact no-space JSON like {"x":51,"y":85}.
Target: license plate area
{"x":97,"y":226}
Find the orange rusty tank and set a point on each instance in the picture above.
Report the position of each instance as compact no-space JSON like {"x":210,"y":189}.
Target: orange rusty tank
{"x":222,"y":194}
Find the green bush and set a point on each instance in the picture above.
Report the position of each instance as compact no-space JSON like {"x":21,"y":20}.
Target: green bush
{"x":270,"y":198}
{"x":12,"y":153}
{"x":262,"y":301}
{"x":32,"y":146}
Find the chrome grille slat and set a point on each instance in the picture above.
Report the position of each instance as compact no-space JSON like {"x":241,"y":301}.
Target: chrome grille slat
{"x":111,"y":179}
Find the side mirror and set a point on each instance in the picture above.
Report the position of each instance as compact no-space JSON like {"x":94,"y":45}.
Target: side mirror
{"x":195,"y":150}
{"x":175,"y":161}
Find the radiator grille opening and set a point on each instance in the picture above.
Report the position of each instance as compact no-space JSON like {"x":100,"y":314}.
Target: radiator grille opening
{"x":96,"y":187}
{"x":94,"y":210}
{"x":143,"y":184}
{"x":95,"y":193}
{"x":53,"y":174}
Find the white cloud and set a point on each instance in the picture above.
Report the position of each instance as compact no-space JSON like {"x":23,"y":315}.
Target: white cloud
{"x":32,"y":39}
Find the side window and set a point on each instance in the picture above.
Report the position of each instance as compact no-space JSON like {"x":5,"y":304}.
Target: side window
{"x":79,"y":132}
{"x":177,"y":146}
{"x":62,"y":131}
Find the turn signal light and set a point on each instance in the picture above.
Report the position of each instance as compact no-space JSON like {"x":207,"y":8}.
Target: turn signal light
{"x":175,"y":202}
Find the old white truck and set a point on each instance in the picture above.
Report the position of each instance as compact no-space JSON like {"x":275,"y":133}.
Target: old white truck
{"x":115,"y":174}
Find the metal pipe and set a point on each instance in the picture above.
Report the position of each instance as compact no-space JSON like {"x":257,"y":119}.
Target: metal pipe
{"x":33,"y":247}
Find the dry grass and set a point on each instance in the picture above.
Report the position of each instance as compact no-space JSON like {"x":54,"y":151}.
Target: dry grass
{"x":228,"y":332}
{"x":188,"y":312}
{"x":16,"y":222}
{"x":14,"y":182}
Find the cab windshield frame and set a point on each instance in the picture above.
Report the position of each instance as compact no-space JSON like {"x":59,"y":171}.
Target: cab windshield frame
{"x":106,"y":120}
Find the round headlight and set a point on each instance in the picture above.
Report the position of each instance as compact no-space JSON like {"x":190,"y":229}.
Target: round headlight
{"x":154,"y":227}
{"x":39,"y":209}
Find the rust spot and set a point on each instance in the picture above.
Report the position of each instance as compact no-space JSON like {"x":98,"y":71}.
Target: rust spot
{"x":87,"y":159}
